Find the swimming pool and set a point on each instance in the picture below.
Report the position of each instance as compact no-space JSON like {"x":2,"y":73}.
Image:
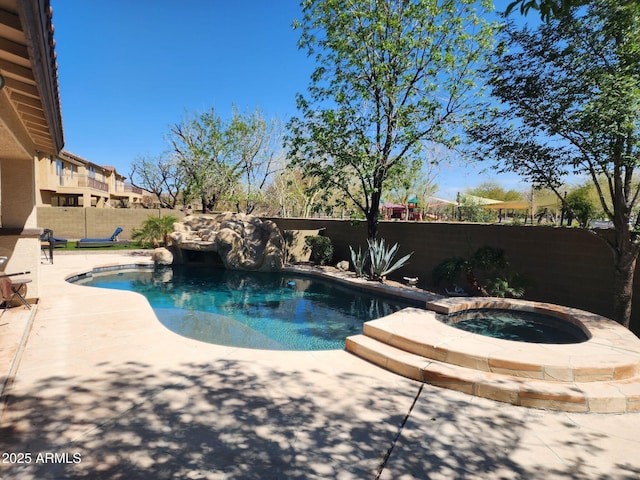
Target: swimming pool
{"x":274,"y":311}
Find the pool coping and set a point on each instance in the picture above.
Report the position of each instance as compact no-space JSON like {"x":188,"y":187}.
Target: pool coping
{"x":419,"y":331}
{"x":431,"y":338}
{"x":599,"y":375}
{"x":616,"y":349}
{"x":610,"y":356}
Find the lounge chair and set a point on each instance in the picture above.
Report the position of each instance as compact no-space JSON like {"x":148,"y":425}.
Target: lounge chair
{"x":103,"y":242}
{"x":12,"y":289}
{"x":59,"y":242}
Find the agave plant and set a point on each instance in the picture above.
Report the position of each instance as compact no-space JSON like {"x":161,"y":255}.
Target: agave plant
{"x":381,"y":259}
{"x":359,"y":261}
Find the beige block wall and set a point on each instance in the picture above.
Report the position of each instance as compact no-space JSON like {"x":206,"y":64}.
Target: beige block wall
{"x":567,"y":266}
{"x":75,"y":223}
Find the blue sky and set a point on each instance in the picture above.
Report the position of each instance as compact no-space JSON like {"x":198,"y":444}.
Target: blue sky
{"x":128,"y":69}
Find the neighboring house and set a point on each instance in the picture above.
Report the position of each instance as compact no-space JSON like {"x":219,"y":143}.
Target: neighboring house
{"x":30,"y":127}
{"x":67,"y":180}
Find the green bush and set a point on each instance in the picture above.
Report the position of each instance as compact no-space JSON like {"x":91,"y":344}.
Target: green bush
{"x":486,"y":271}
{"x":154,"y":231}
{"x":321,"y":249}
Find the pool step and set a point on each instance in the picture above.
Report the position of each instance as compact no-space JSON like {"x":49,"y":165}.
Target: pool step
{"x":611,"y":396}
{"x":420,"y":333}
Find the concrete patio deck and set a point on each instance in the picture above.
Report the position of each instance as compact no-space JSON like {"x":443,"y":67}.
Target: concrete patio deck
{"x":101,"y":390}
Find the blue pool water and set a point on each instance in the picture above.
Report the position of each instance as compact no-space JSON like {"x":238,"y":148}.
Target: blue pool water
{"x":276,"y":311}
{"x":516,"y":325}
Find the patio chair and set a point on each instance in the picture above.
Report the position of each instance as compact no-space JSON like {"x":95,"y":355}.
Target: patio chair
{"x":102,"y":242}
{"x":59,"y":242}
{"x":13,"y":289}
{"x":48,"y":242}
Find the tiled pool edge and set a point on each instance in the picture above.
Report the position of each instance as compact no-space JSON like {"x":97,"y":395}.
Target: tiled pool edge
{"x":74,"y":277}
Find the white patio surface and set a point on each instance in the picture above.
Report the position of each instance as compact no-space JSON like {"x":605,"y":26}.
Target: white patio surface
{"x":101,"y":390}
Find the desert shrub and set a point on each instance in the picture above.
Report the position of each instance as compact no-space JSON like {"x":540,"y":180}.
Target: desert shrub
{"x":321,"y":249}
{"x":486,"y":271}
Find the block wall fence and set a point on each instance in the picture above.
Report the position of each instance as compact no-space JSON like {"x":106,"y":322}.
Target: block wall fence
{"x":567,"y":266}
{"x":73,"y":223}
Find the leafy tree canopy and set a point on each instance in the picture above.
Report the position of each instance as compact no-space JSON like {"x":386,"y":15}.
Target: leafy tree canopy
{"x":547,"y":8}
{"x":494,"y":191}
{"x":581,"y":205}
{"x":569,"y":97}
{"x":225,"y":160}
{"x":391,"y":76}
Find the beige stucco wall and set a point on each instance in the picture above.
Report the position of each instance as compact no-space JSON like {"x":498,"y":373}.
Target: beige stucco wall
{"x":19,"y":239}
{"x":18,"y":193}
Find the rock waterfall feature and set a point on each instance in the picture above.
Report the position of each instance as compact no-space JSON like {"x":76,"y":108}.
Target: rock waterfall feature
{"x":243,"y":242}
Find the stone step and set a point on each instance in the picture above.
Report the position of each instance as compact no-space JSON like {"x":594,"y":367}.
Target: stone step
{"x":419,"y":332}
{"x":614,"y":396}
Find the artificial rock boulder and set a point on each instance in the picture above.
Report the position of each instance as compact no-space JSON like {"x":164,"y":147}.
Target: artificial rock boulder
{"x":162,"y":256}
{"x":243,"y":242}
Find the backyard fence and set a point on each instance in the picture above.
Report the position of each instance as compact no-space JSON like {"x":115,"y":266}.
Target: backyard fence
{"x":77,"y":222}
{"x":567,"y":266}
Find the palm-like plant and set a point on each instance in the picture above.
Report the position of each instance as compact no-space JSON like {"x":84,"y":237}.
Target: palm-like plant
{"x":492,"y":262}
{"x":155,"y":230}
{"x":509,"y":285}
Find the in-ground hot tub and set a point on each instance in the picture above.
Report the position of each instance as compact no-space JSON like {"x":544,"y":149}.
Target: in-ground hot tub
{"x":599,"y":373}
{"x":517,"y":325}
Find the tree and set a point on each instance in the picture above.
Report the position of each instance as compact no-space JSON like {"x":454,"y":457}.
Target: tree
{"x":579,"y":204}
{"x":226,"y":161}
{"x":256,"y":143}
{"x":493,"y":190}
{"x":470,"y":210}
{"x":202,"y":151}
{"x":403,"y":181}
{"x":570,"y":103}
{"x":391,"y":75}
{"x":159,"y":175}
{"x":548,"y":8}
{"x":294,"y":193}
